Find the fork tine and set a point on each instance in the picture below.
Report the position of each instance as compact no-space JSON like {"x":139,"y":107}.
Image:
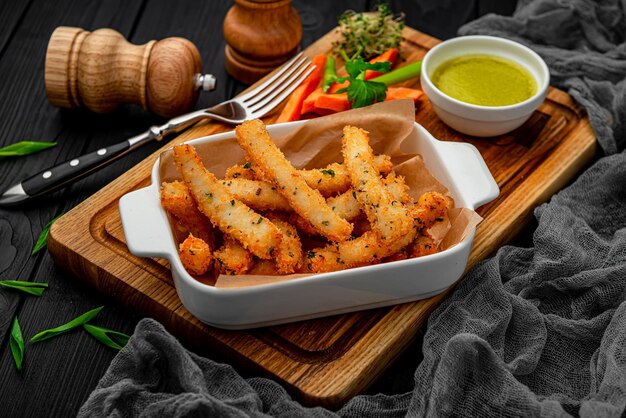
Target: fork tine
{"x":280,"y":96}
{"x":258,"y":102}
{"x":269,"y":81}
{"x":297,"y":68}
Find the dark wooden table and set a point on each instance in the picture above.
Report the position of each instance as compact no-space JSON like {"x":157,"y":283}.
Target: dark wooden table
{"x":59,"y":374}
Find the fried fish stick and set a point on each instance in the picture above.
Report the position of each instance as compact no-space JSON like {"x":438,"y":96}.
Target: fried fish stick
{"x":422,"y":245}
{"x":177,"y":200}
{"x":398,"y":188}
{"x":270,"y":161}
{"x":334,"y":178}
{"x":329,"y":181}
{"x":257,"y":194}
{"x":323,"y":260}
{"x":366,"y":249}
{"x":346,"y":205}
{"x":195,"y":254}
{"x":238,"y":171}
{"x":233,"y":258}
{"x":390,"y":219}
{"x":255,"y":232}
{"x":289,"y":257}
{"x":431,"y":207}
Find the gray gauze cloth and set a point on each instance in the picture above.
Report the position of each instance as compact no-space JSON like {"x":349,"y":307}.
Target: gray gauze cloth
{"x":530,"y":332}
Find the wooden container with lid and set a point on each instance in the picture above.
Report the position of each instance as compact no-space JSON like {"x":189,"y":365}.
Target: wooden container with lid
{"x":260,"y":36}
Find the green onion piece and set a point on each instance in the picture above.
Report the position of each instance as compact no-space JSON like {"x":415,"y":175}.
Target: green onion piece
{"x":407,"y":72}
{"x":74,"y":323}
{"x":32,"y":288}
{"x":24,"y":148}
{"x":108,"y":337}
{"x":16,"y":341}
{"x":330,"y":76}
{"x":42,"y":241}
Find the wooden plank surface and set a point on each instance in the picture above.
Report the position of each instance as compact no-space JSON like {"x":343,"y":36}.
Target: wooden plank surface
{"x":75,"y":362}
{"x":328,"y":360}
{"x":27,"y":115}
{"x":25,"y":27}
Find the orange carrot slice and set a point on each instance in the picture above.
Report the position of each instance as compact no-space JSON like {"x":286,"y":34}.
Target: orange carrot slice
{"x":390,"y":56}
{"x":338,"y":86}
{"x":337,"y":102}
{"x":293,"y":108}
{"x":308,"y":105}
{"x":394,"y":93}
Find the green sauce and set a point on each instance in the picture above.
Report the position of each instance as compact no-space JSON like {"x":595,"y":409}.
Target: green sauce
{"x":484,"y":80}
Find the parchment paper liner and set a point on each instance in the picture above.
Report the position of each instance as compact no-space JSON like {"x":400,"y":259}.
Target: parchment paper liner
{"x":317,"y":143}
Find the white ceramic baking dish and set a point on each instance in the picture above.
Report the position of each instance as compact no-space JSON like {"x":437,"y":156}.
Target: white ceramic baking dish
{"x":458,"y":166}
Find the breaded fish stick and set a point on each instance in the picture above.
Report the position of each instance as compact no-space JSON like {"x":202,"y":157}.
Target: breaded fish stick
{"x":308,"y":203}
{"x":178,"y":201}
{"x":261,"y":195}
{"x":233,"y":258}
{"x":289,"y":257}
{"x":368,"y":247}
{"x":195,"y":254}
{"x":347,"y":206}
{"x":365,"y":249}
{"x":255,"y":232}
{"x":390,"y":219}
{"x":257,"y":194}
{"x":430,"y":208}
{"x":421,"y":246}
{"x":329,"y":181}
{"x":322,"y":260}
{"x":398,"y":188}
{"x":335,"y":179}
{"x":238,"y":171}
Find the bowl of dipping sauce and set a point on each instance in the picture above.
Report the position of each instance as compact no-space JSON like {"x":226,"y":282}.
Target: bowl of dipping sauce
{"x":484,"y":85}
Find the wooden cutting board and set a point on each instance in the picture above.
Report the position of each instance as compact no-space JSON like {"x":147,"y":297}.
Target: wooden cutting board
{"x":327,"y":361}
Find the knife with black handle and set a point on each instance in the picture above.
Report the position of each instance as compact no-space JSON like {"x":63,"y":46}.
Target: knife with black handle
{"x":61,"y":175}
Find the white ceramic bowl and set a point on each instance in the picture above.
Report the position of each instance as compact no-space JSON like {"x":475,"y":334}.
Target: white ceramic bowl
{"x":458,"y":166}
{"x":483,"y":121}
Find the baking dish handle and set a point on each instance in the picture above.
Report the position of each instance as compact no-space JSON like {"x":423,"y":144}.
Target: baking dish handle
{"x":471,"y":174}
{"x":145,"y":224}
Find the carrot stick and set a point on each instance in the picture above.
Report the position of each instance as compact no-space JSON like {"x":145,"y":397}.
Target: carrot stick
{"x":390,"y":56}
{"x":308,"y":105}
{"x":293,"y":108}
{"x":395,"y":93}
{"x":338,"y":86}
{"x":319,"y":102}
{"x":337,"y":102}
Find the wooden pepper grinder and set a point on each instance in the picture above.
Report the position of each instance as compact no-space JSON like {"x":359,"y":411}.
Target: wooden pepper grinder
{"x":100,"y":70}
{"x":260,"y":35}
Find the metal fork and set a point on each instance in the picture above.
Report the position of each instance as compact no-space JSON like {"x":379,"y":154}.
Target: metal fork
{"x":250,"y":105}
